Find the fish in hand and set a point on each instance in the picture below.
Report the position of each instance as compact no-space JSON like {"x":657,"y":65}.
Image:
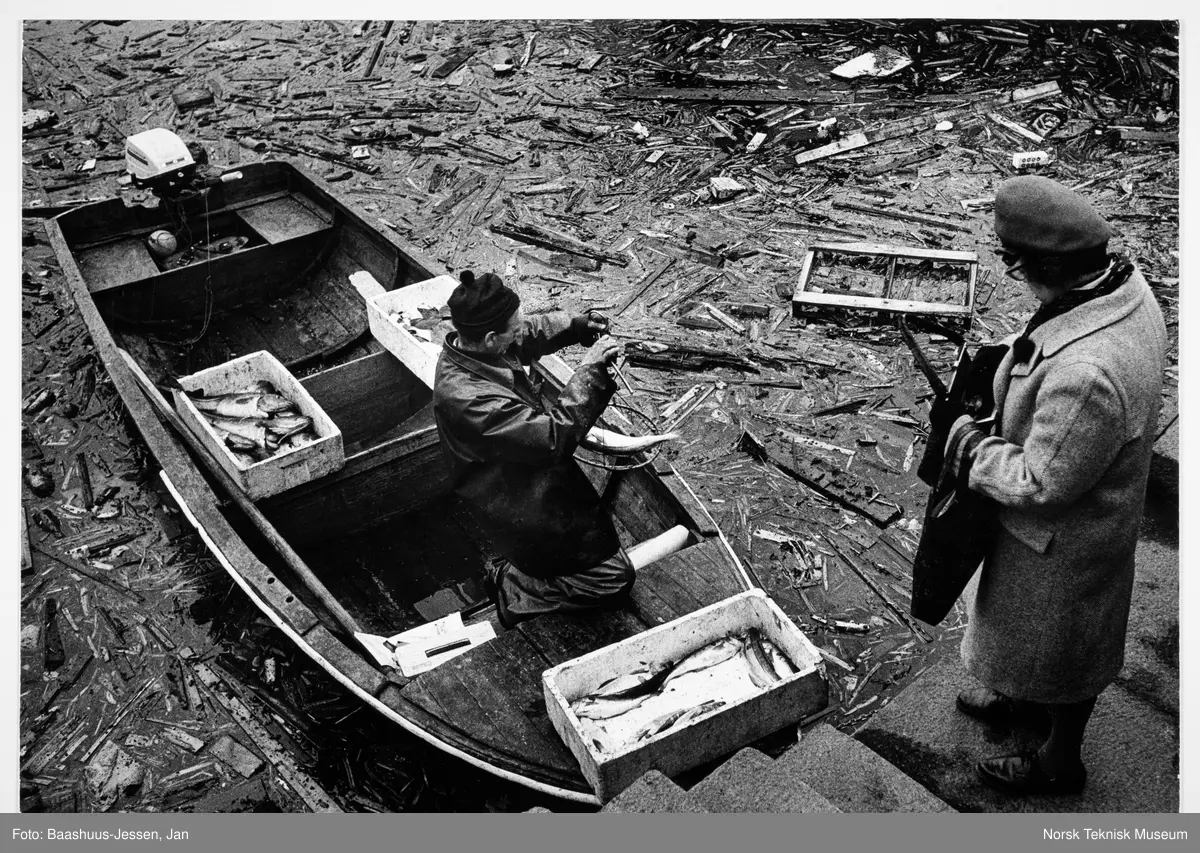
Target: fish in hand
{"x":614,"y":443}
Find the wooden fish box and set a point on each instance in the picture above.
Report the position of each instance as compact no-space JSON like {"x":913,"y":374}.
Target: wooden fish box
{"x":707,"y":737}
{"x":286,"y":469}
{"x":418,"y":355}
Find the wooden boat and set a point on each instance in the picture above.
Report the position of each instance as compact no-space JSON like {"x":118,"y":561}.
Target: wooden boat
{"x":359,"y":548}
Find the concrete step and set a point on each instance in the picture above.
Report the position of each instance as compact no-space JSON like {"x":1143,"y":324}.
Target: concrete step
{"x":1131,"y":749}
{"x":752,"y":782}
{"x":853,"y":777}
{"x":652,"y":793}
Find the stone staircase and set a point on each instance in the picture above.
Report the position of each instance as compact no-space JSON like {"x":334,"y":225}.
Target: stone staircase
{"x":918,"y":755}
{"x":826,"y":772}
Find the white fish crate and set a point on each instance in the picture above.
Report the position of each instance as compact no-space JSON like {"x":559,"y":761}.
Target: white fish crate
{"x":286,"y":469}
{"x":418,"y":355}
{"x":709,"y":736}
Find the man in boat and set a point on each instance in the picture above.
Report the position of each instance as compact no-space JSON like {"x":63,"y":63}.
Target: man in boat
{"x":511,"y":452}
{"x":1066,"y":462}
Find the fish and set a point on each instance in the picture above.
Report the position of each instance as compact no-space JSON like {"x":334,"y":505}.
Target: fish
{"x":591,"y":708}
{"x":699,"y":711}
{"x":599,"y":738}
{"x":710,"y":655}
{"x":297,"y":439}
{"x":758,"y":664}
{"x":630,"y":685}
{"x":783,"y":667}
{"x":285,"y":425}
{"x":236,"y":443}
{"x":250,"y":429}
{"x":244,"y":405}
{"x":678,"y":717}
{"x":260,"y":386}
{"x":617,"y":444}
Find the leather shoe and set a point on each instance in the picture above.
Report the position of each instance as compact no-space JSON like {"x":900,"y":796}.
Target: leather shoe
{"x":1022,"y":774}
{"x":995,"y":708}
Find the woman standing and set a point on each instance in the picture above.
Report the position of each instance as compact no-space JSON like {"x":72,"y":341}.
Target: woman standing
{"x":1066,"y":460}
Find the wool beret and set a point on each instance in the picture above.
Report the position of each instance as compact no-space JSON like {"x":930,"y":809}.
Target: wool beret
{"x":481,"y":304}
{"x":1036,"y":214}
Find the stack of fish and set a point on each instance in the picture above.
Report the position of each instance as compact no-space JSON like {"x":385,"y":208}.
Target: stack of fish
{"x":257,"y":422}
{"x":638,"y":705}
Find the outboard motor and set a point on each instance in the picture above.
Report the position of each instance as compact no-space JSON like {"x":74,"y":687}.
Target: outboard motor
{"x":160,"y":161}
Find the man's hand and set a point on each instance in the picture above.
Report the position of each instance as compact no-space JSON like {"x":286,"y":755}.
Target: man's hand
{"x":589,"y":326}
{"x":602,"y":352}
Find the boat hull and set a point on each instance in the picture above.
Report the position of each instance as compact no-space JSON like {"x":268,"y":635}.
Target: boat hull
{"x":485,"y":706}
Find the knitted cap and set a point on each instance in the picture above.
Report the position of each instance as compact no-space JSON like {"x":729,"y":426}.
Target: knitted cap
{"x":481,"y":304}
{"x":1036,"y":214}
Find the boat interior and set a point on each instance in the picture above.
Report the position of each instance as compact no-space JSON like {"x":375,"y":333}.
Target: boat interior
{"x":262,"y":263}
{"x":383,"y":533}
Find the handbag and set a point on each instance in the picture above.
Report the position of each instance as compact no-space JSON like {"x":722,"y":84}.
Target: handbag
{"x":960,"y":528}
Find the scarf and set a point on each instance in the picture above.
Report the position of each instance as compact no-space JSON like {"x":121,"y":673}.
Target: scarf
{"x":1117,"y":275}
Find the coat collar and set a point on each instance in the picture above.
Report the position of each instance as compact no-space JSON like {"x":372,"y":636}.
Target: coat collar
{"x":1089,"y":317}
{"x":494,"y":368}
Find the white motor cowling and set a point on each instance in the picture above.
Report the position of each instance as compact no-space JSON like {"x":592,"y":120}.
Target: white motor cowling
{"x":159,"y":159}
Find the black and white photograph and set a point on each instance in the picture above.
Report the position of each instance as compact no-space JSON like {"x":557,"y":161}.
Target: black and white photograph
{"x":585,"y":415}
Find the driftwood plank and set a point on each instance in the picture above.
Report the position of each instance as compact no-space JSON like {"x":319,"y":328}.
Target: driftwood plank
{"x":529,"y":232}
{"x":876,"y":303}
{"x":888,"y":213}
{"x":764,"y":95}
{"x":644,"y":285}
{"x":812,"y":470}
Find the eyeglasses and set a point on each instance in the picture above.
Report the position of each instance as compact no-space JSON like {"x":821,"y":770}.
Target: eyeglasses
{"x":1014,"y":263}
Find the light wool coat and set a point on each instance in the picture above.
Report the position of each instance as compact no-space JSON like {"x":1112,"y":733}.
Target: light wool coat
{"x":1067,"y":463}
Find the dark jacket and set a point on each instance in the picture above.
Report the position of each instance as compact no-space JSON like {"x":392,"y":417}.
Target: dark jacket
{"x":511,"y":453}
{"x":1068,"y":468}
